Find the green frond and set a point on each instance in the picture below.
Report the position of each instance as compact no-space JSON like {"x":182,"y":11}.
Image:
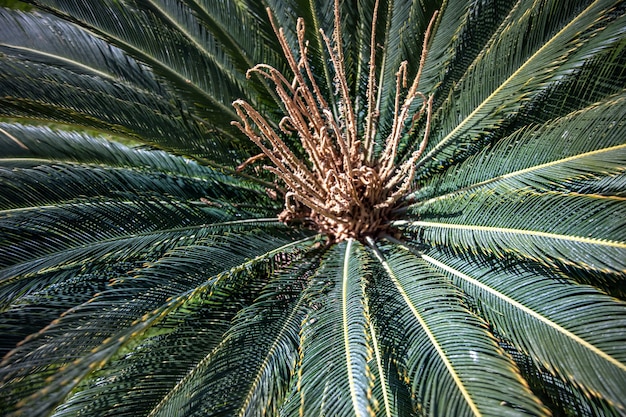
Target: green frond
{"x":463,"y":32}
{"x":183,"y":276}
{"x":451,"y":362}
{"x":554,"y":156}
{"x":31,"y":146}
{"x":59,"y":215}
{"x":332,"y":374}
{"x":238,"y":29}
{"x":404,"y":26}
{"x":165,"y":46}
{"x":264,"y":335}
{"x":39,"y":91}
{"x":96,"y":330}
{"x":192,"y":337}
{"x":67,"y":46}
{"x":75,"y":78}
{"x":111,"y":257}
{"x":570,"y":45}
{"x":583,"y":231}
{"x":534,"y":196}
{"x":571,"y":330}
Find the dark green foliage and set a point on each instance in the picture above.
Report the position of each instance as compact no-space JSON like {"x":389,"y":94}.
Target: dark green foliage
{"x":157,"y":280}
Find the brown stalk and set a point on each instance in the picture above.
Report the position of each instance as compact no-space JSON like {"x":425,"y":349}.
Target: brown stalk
{"x":341,"y":190}
{"x":372,"y":109}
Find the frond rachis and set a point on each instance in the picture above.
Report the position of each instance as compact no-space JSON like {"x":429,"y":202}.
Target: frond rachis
{"x":342,"y":188}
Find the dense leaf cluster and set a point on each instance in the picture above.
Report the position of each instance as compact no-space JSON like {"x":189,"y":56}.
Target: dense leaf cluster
{"x":157,"y":280}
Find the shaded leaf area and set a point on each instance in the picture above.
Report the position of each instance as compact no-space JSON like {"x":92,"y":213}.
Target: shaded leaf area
{"x":168,"y":36}
{"x":556,"y":394}
{"x":264,"y":336}
{"x":56,"y":71}
{"x":556,"y":59}
{"x":79,"y":211}
{"x":24,"y":145}
{"x":246,"y":313}
{"x":52,"y":205}
{"x":157,"y":34}
{"x":464,"y":30}
{"x":15,"y":4}
{"x":88,"y":335}
{"x":69,"y":47}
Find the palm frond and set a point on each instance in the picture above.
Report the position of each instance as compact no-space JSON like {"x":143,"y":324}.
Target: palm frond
{"x":31,"y":146}
{"x":167,"y":46}
{"x":583,"y":231}
{"x":191,"y":337}
{"x":459,"y":370}
{"x":534,"y":196}
{"x":332,"y":375}
{"x":66,"y":203}
{"x":546,"y":66}
{"x":571,"y":330}
{"x":109,"y":322}
{"x":67,"y":46}
{"x":34,"y":90}
{"x":142,"y":34}
{"x":405,"y":25}
{"x":464,"y":31}
{"x":265,"y":336}
{"x":554,"y":156}
{"x":239,"y":29}
{"x":59,"y":81}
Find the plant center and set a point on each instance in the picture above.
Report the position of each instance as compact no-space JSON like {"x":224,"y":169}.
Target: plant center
{"x":342,"y":187}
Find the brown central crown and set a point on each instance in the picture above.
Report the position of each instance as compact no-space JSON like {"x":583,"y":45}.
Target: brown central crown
{"x":342,"y":189}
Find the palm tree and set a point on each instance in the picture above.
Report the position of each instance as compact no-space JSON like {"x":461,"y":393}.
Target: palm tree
{"x":337,"y":208}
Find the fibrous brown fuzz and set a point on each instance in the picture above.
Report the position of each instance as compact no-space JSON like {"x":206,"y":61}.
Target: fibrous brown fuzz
{"x":342,"y":190}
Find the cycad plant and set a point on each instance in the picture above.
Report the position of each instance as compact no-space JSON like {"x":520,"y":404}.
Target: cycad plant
{"x":313,"y":208}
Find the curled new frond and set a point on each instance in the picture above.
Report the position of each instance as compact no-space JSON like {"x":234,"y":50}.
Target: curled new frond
{"x":341,"y":189}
